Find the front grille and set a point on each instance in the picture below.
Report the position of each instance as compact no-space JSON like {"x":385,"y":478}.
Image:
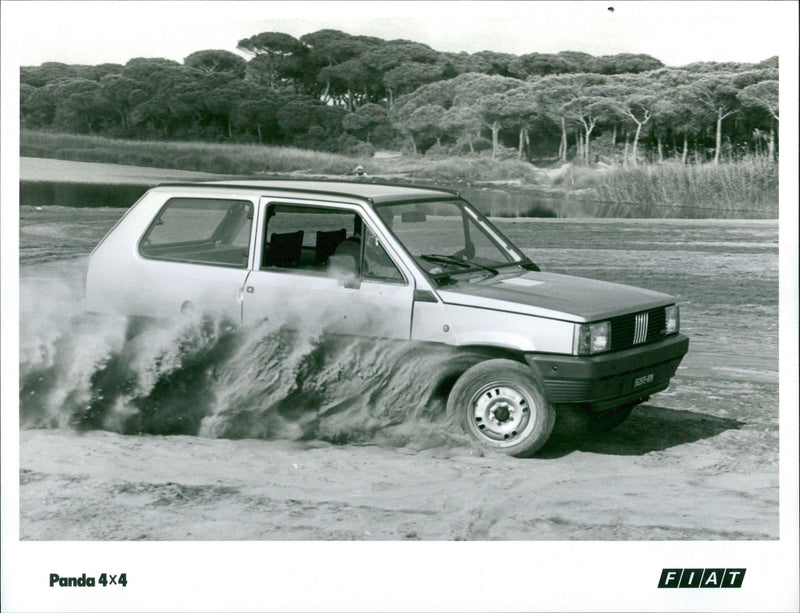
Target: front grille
{"x":638,"y":328}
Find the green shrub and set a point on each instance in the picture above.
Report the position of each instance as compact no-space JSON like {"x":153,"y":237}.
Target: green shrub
{"x":577,"y":177}
{"x":438,"y":151}
{"x":746,"y":188}
{"x":350,"y":145}
{"x":479,"y":144}
{"x":384,"y":136}
{"x":506,"y":153}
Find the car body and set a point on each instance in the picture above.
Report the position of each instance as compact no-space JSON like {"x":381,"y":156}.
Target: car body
{"x":398,"y":262}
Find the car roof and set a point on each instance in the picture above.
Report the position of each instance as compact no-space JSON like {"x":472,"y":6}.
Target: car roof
{"x":375,"y":193}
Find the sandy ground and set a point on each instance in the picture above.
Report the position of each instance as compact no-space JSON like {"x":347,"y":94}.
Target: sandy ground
{"x":629,"y":485}
{"x":697,"y":462}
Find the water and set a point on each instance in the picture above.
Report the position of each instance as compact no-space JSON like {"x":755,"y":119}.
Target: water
{"x":522,"y":203}
{"x":493,"y":202}
{"x":57,"y":193}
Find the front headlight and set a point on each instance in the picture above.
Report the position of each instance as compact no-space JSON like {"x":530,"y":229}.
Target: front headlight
{"x":673,"y":314}
{"x":591,"y":338}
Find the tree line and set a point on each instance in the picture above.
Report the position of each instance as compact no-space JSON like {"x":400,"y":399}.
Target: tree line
{"x":333,"y":91}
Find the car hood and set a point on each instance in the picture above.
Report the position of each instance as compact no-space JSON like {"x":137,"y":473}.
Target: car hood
{"x":553,"y":295}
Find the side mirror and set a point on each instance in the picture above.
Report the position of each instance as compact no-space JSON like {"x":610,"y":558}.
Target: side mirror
{"x":343,"y":267}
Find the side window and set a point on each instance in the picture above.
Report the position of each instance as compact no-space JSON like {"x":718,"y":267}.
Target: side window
{"x":200,"y":230}
{"x":377,"y":263}
{"x":324,"y":241}
{"x":306,"y":238}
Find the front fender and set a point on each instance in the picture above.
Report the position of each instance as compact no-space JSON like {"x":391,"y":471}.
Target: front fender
{"x":503,"y":340}
{"x":516,"y":331}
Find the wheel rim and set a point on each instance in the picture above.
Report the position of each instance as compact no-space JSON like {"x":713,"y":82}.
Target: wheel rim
{"x":501,"y":414}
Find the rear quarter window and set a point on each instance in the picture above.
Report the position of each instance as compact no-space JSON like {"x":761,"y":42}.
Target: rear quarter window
{"x":200,"y":230}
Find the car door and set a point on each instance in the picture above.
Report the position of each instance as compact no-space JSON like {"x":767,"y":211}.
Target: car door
{"x":311,"y":273}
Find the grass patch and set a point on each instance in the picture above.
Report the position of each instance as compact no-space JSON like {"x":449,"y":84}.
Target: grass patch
{"x":205,"y":157}
{"x":239,"y":159}
{"x":463,"y":169}
{"x":746,"y":189}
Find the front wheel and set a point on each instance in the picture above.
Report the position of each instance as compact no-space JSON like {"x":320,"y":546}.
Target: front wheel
{"x":500,"y":406}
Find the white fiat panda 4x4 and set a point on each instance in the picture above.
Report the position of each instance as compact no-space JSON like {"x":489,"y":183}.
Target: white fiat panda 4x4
{"x":397,"y":262}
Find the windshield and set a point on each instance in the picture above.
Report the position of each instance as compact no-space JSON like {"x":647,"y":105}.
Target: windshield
{"x":449,"y":238}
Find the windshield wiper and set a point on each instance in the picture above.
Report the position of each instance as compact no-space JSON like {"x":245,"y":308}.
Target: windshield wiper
{"x":528,"y":264}
{"x":444,"y":259}
{"x":448,"y":259}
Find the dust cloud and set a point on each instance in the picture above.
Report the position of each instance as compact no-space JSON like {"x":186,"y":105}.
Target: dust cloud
{"x":202,"y":375}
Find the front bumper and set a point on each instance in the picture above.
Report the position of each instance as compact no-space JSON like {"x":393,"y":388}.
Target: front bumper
{"x":604,"y":381}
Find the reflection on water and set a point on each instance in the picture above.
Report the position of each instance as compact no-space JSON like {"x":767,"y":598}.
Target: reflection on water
{"x":500,"y":203}
{"x":491,"y":202}
{"x":508,"y":201}
{"x":56,"y":193}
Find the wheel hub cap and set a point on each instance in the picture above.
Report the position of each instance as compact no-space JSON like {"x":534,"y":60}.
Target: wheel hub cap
{"x":500,"y":412}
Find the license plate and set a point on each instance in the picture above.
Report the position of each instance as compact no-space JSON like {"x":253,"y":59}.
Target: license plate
{"x":643,"y":380}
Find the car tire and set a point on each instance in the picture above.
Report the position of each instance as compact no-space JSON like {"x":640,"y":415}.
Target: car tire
{"x":501,"y":407}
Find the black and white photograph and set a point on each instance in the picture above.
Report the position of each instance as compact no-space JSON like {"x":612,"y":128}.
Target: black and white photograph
{"x":399,"y":306}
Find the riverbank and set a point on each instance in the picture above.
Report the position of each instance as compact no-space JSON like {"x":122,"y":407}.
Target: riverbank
{"x":239,"y":159}
{"x":744,"y":189}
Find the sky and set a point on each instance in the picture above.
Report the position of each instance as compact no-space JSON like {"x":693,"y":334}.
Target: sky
{"x":676,"y":33}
